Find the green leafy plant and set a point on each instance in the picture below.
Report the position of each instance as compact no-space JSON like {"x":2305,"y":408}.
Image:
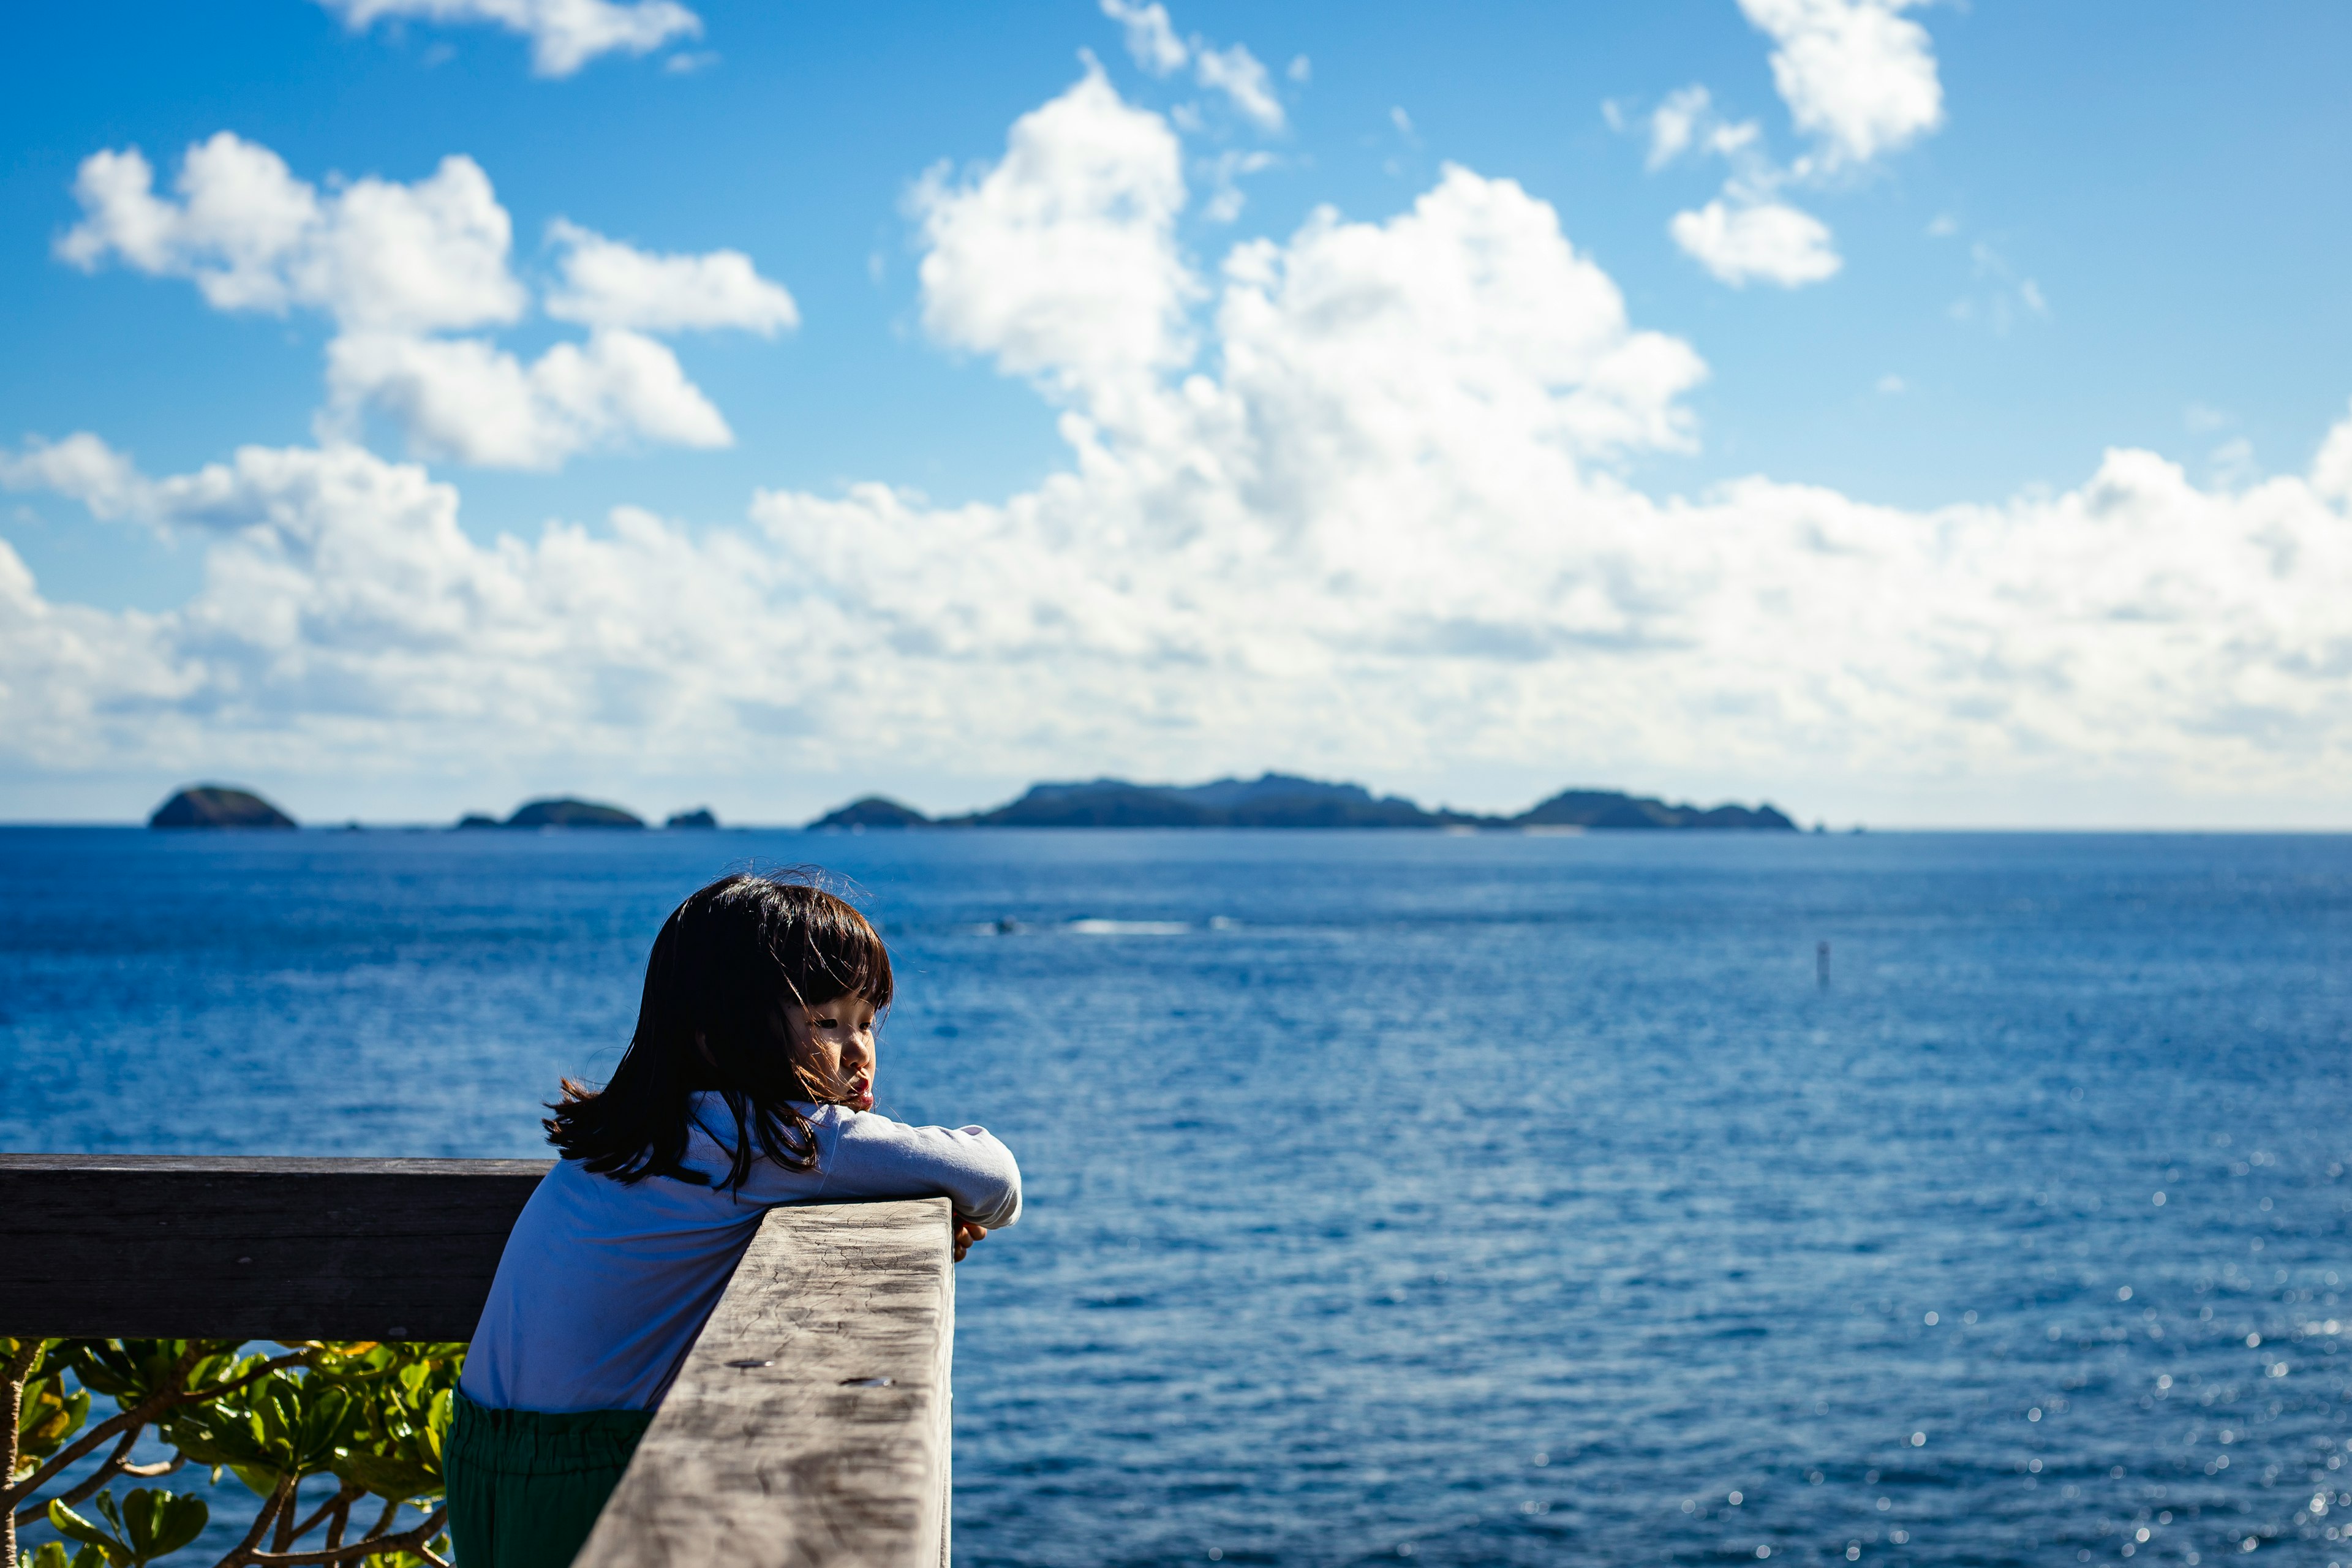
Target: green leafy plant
{"x":147,"y":1525}
{"x":368,"y":1416}
{"x":52,"y":1555}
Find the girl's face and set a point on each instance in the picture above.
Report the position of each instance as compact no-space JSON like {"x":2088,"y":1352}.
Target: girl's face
{"x":833,"y":1044}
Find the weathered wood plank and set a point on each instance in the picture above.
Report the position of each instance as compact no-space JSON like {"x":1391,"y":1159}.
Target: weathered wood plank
{"x":254,"y":1249}
{"x":781,"y":1445}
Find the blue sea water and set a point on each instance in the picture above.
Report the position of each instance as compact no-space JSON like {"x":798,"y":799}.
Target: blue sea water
{"x":1401,"y":1197}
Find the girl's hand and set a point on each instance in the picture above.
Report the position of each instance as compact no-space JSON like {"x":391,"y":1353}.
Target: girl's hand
{"x":966,"y":1233}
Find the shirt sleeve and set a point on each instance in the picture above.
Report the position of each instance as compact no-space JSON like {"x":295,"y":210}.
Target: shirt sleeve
{"x":874,"y":1157}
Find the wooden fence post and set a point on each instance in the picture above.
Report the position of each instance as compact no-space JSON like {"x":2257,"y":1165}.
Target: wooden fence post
{"x":812,"y":1423}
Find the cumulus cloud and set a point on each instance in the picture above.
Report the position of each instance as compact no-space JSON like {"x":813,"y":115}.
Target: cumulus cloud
{"x":1378,"y":524}
{"x":1857,"y":75}
{"x":396,"y":266}
{"x":1770,"y":241}
{"x":609,"y":284}
{"x":1060,"y":260}
{"x":427,"y":256}
{"x":464,"y":399}
{"x":81,"y":467}
{"x":565,"y":34}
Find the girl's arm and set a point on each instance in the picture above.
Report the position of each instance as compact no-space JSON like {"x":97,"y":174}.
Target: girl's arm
{"x":874,"y":1157}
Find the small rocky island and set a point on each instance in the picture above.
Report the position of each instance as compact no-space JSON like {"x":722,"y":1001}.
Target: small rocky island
{"x":217,"y":806}
{"x":558,"y":813}
{"x":872,"y":811}
{"x":1284,"y":800}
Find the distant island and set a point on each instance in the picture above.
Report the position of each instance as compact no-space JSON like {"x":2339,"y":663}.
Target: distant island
{"x":1284,"y":800}
{"x":1271,"y":800}
{"x":217,"y":806}
{"x":557,"y":814}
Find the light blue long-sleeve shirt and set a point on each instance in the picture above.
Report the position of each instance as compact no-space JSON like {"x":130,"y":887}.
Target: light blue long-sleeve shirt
{"x":603,"y":1287}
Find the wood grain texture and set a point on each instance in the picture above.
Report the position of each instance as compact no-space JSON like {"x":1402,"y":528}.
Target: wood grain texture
{"x":256,"y":1248}
{"x":802,"y":1461}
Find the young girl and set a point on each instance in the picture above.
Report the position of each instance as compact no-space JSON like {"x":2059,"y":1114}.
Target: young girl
{"x":749,"y":1083}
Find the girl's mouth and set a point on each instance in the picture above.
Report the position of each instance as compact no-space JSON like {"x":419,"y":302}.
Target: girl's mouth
{"x":861,"y":1095}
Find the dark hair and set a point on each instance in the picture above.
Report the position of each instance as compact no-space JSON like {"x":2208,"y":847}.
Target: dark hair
{"x":727,"y":965}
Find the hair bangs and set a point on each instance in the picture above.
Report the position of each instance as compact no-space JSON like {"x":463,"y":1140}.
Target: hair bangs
{"x":841,"y":954}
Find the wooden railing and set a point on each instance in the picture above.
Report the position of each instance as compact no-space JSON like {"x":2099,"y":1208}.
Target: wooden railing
{"x":809,"y":1426}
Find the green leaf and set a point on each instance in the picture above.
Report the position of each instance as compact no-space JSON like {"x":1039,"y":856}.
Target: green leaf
{"x":437,"y":1431}
{"x":212,"y":1435}
{"x":161,"y":1522}
{"x":390,"y":1477}
{"x":47,"y":1416}
{"x":146,"y":1525}
{"x":259,"y":1479}
{"x":325,"y":1422}
{"x":74,"y":1527}
{"x":52,"y":1555}
{"x":130,"y":1369}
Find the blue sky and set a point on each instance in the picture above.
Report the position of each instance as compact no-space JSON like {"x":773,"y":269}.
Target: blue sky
{"x":2110,"y":228}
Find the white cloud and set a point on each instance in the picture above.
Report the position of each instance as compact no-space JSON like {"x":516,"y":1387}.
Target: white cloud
{"x":1675,"y":121}
{"x":1746,"y":232}
{"x":1855,"y":74}
{"x":1237,"y":73}
{"x":1686,"y":121}
{"x":1151,"y":38}
{"x":1059,"y":261}
{"x":427,"y":256}
{"x":461,"y":398}
{"x":1858,"y":76}
{"x":1770,"y":241}
{"x":565,"y":34}
{"x":1893,"y":386}
{"x":1301,"y":69}
{"x":1381,"y":531}
{"x":2331,"y":471}
{"x":396,"y":265}
{"x":81,"y":467}
{"x":608,"y":284}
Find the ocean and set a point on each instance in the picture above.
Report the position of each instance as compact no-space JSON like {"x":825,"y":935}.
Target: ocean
{"x":1457,"y":1199}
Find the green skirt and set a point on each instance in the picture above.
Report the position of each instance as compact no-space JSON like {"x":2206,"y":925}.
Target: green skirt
{"x":525,"y":1486}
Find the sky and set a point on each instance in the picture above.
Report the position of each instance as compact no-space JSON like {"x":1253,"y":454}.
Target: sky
{"x":1927,"y":414}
